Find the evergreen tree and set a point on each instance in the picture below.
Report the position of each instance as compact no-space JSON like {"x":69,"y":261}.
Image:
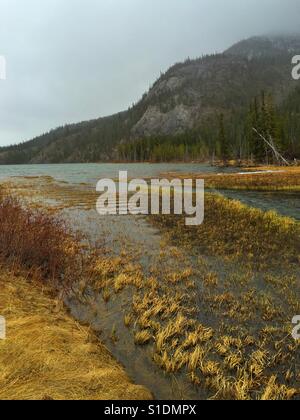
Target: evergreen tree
{"x":223,"y":140}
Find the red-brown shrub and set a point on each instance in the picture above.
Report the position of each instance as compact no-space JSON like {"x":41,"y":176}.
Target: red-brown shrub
{"x":36,"y":240}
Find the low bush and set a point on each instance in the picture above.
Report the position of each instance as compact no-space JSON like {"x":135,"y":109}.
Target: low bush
{"x":38,"y":241}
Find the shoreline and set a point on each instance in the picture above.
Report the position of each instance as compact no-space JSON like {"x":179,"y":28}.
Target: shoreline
{"x":255,"y":179}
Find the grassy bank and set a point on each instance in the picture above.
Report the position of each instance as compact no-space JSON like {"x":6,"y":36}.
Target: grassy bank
{"x":47,"y":355}
{"x":254,"y":179}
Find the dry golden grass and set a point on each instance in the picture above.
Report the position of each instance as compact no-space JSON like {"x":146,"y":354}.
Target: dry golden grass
{"x":237,"y":231}
{"x":236,"y":359}
{"x":143,"y":337}
{"x":269,"y":181}
{"x":47,"y":355}
{"x":127,"y":320}
{"x":276,"y":392}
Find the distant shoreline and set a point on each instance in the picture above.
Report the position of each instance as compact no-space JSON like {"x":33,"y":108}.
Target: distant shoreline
{"x":217,"y":163}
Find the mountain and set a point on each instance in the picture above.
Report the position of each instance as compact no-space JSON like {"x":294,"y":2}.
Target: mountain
{"x":186,"y":106}
{"x":258,"y":47}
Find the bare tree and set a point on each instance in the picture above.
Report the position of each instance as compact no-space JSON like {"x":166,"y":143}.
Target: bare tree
{"x":271,"y":145}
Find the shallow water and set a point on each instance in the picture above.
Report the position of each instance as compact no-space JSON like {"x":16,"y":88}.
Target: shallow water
{"x":284,"y":203}
{"x":142,"y":243}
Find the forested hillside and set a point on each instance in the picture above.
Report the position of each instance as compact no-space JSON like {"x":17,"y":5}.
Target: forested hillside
{"x":198,"y":110}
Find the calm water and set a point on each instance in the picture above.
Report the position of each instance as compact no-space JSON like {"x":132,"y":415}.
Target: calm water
{"x":91,"y":173}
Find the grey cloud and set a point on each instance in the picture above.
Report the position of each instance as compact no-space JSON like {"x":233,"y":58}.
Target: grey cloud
{"x":70,"y":60}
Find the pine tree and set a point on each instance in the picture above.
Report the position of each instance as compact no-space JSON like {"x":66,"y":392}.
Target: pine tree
{"x":223,"y":140}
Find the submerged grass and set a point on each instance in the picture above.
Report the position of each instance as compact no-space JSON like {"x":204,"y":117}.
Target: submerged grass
{"x":233,"y":336}
{"x":256,"y":359}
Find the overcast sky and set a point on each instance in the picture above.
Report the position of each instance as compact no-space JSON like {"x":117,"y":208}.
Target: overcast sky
{"x":72,"y":60}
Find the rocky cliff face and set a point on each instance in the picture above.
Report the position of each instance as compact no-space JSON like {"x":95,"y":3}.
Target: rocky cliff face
{"x":189,"y":92}
{"x":155,"y":122}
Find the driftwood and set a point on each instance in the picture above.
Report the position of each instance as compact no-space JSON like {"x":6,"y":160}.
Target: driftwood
{"x":272,"y":146}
